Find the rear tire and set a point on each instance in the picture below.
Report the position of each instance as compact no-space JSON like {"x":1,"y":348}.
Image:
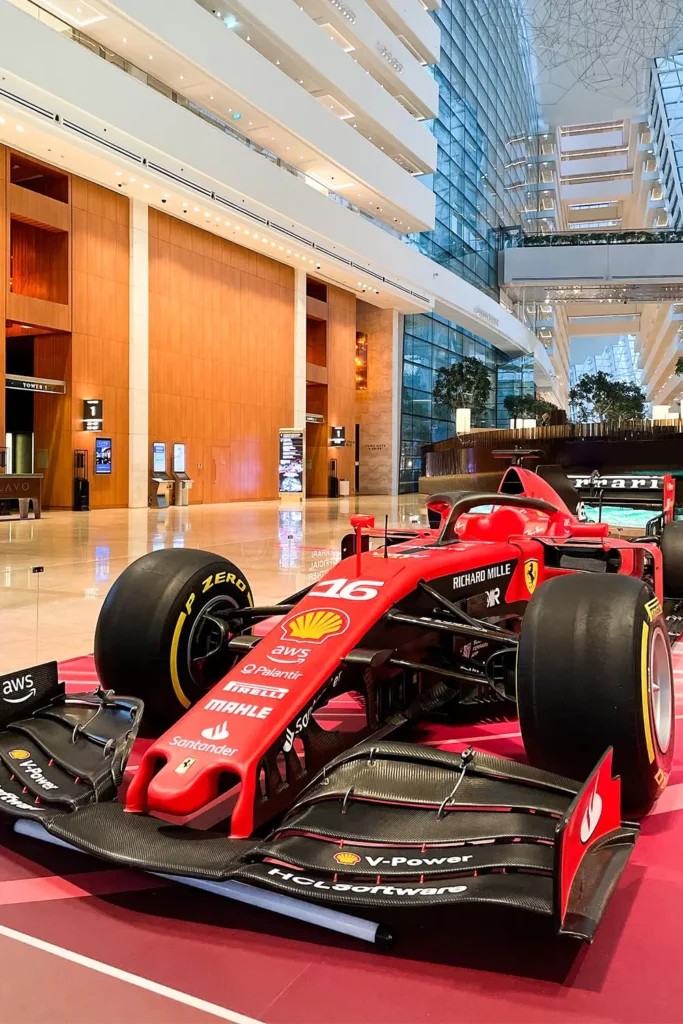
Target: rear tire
{"x":593,"y":671}
{"x":155,"y":638}
{"x":672,"y":557}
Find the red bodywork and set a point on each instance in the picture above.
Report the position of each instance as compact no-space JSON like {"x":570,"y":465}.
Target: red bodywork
{"x":269,"y":696}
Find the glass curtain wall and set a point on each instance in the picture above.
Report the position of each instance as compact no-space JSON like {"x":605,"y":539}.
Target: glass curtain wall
{"x":487,"y":140}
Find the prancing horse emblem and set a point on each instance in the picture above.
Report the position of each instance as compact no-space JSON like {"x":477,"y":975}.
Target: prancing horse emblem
{"x":531,"y":574}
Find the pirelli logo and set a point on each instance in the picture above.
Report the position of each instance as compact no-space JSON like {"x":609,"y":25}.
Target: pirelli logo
{"x":653,"y":608}
{"x":252,"y":690}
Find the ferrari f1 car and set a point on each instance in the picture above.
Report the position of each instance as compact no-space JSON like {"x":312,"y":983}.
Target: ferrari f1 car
{"x":245,"y":783}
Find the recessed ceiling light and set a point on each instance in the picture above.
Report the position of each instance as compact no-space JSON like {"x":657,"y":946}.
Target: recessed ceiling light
{"x":145,"y":185}
{"x":196,"y":209}
{"x":218,"y":220}
{"x":247,"y":232}
{"x":273,"y":244}
{"x":210,"y":97}
{"x":182,"y":78}
{"x":132,"y":180}
{"x":125,"y":40}
{"x":20,"y":127}
{"x":186,"y":204}
{"x":282,"y":248}
{"x":151,"y":57}
{"x":118,"y":174}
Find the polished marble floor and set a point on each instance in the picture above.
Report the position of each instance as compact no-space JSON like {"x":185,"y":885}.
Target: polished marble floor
{"x":52,"y":614}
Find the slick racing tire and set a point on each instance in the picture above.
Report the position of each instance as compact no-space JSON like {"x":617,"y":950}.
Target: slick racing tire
{"x":159,"y":636}
{"x":594,"y":671}
{"x":672,"y":557}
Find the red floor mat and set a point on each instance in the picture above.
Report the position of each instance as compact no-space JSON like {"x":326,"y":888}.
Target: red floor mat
{"x":448,"y":966}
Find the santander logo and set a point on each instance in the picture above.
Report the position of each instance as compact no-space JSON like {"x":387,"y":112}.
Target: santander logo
{"x":592,"y":816}
{"x":218,"y":732}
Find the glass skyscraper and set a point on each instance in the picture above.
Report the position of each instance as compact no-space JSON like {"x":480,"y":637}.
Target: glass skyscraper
{"x":487,"y":134}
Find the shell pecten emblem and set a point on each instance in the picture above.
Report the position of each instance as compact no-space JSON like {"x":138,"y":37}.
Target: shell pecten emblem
{"x":347,"y":859}
{"x":315,"y":626}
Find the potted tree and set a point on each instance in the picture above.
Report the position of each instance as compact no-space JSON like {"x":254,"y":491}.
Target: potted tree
{"x":465,"y":388}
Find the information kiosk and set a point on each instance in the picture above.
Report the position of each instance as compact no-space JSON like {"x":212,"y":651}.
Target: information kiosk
{"x":182,"y":480}
{"x":161,"y":483}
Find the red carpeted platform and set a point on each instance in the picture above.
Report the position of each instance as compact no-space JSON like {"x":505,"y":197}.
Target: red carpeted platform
{"x":450,"y":965}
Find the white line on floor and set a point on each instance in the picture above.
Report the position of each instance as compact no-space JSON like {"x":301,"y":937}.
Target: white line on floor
{"x":132,"y":979}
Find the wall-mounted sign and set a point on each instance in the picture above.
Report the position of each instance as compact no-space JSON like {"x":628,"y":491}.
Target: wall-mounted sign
{"x":18,"y":382}
{"x":102,"y":455}
{"x":178,"y":458}
{"x":159,"y":457}
{"x":338,"y":438}
{"x":92,"y":414}
{"x":291,"y":464}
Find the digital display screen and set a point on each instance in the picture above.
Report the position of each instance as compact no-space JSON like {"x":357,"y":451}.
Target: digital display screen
{"x":291,"y":464}
{"x":178,"y":458}
{"x":158,"y":457}
{"x":102,"y":455}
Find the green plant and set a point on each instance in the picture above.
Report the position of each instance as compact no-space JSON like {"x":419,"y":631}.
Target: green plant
{"x":527,"y":407}
{"x":598,"y":396}
{"x":679,"y":367}
{"x":463,"y":385}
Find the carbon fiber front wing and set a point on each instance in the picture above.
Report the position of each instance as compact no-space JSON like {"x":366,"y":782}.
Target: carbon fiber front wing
{"x":385,"y":825}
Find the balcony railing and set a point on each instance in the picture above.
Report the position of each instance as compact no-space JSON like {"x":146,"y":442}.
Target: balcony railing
{"x":140,"y":75}
{"x":515,"y":238}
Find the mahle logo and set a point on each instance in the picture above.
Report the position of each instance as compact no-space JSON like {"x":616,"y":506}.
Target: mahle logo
{"x":315,"y":626}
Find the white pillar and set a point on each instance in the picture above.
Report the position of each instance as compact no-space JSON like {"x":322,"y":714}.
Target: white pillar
{"x":299,"y":351}
{"x":138,"y":384}
{"x":396,"y":393}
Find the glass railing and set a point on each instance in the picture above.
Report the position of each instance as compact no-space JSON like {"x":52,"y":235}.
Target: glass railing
{"x":140,"y":75}
{"x":514,"y":238}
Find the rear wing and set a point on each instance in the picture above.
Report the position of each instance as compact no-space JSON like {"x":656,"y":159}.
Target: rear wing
{"x":656,"y":492}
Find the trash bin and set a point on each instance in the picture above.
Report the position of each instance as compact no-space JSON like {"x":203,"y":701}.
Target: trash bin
{"x":343,"y":488}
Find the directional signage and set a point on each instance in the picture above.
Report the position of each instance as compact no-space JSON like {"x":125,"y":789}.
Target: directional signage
{"x":18,"y":382}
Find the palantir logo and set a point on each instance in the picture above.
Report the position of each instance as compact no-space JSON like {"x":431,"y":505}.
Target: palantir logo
{"x":18,"y":689}
{"x":218,"y":732}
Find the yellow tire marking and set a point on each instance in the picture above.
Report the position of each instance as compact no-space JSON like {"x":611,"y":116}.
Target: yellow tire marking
{"x":174,"y":661}
{"x":645,"y":694}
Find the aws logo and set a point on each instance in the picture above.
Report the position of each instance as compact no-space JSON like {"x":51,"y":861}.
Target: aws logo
{"x":18,"y":689}
{"x":315,"y":626}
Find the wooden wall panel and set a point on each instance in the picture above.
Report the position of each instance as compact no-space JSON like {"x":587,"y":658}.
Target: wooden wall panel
{"x":221,"y":322}
{"x":4,"y":257}
{"x":52,"y":420}
{"x":99,"y":346}
{"x":341,"y":393}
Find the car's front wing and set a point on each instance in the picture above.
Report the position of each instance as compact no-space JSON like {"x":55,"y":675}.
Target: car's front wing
{"x":386,"y":825}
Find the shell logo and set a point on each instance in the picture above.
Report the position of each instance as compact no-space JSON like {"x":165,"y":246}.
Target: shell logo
{"x":19,"y":755}
{"x":347,"y":858}
{"x":315,"y":626}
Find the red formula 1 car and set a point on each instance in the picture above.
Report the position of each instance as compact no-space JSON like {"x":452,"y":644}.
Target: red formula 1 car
{"x":246,"y":784}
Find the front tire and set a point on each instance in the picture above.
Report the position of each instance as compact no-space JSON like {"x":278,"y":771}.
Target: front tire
{"x":594,"y":670}
{"x":158,"y":636}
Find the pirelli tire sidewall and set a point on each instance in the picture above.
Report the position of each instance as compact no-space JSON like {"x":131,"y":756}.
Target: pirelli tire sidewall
{"x":142,"y":640}
{"x":584,"y":682}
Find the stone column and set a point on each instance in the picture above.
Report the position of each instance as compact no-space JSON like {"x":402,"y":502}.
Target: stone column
{"x":299,"y":418}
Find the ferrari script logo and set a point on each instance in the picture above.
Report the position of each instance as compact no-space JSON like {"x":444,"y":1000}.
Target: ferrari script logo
{"x":531,"y":574}
{"x":315,"y":626}
{"x":347,"y":858}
